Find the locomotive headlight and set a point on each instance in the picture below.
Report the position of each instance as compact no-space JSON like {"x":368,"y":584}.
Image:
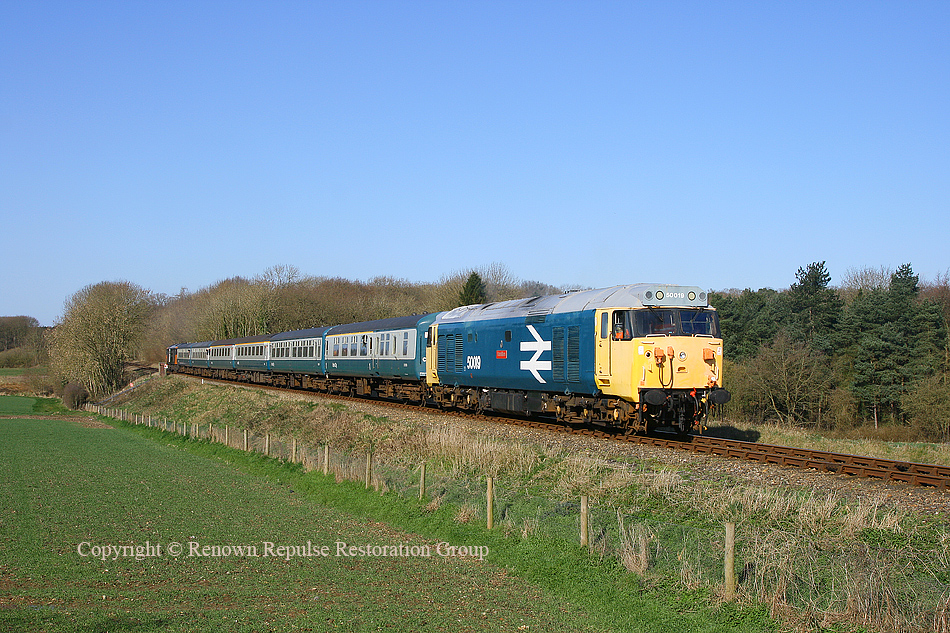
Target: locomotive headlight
{"x":691,"y":295}
{"x":659,"y":295}
{"x":682,"y":356}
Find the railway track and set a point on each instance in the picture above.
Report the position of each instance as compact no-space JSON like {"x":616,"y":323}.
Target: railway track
{"x":931,"y":475}
{"x":912,"y":473}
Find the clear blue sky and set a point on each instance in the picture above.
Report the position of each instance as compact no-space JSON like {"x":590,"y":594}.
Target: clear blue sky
{"x":721,"y":144}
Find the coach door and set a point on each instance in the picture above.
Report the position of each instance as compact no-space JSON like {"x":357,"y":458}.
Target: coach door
{"x":377,"y":347}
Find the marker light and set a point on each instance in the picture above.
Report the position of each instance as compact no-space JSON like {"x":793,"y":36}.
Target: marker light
{"x":659,"y":295}
{"x":691,"y":295}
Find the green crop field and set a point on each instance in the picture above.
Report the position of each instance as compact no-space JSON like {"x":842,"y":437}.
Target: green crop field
{"x":78,"y":500}
{"x":70,"y":492}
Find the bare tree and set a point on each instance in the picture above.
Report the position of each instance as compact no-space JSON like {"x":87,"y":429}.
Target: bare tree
{"x":857,"y":280}
{"x":99,"y":332}
{"x":500,"y":284}
{"x":791,"y":381}
{"x":236,"y":308}
{"x":280,"y":275}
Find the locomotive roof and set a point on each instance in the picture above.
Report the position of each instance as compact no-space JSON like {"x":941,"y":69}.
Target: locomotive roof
{"x":627,"y":296}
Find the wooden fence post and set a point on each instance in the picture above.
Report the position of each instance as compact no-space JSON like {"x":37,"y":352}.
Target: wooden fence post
{"x":369,"y":468}
{"x":267,"y":444}
{"x":293,"y":451}
{"x":730,"y":563}
{"x":490,"y":496}
{"x":245,"y":440}
{"x":326,"y":459}
{"x":422,"y":482}
{"x":584,"y":516}
{"x":227,"y":435}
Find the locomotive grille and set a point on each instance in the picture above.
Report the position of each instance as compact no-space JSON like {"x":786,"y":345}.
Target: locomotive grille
{"x":443,"y":346}
{"x":574,"y":354}
{"x":566,"y":359}
{"x":451,"y":353}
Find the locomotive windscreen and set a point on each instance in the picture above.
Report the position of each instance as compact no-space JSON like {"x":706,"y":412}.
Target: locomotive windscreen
{"x":675,"y":322}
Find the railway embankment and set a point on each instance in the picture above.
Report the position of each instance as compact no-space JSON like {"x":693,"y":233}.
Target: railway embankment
{"x":871,"y":553}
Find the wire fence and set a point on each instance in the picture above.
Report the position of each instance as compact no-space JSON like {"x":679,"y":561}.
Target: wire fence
{"x":813,"y":582}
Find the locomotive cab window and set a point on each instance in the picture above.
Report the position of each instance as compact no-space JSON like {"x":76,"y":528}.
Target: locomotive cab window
{"x":699,"y":323}
{"x":654,"y":322}
{"x":622,"y":330}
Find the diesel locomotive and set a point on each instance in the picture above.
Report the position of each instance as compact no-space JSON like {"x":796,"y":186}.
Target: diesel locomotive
{"x":633,"y":358}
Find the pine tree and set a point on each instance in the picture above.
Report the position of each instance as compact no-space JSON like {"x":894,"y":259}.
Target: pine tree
{"x":473,"y":292}
{"x":815,"y":308}
{"x":896,"y":341}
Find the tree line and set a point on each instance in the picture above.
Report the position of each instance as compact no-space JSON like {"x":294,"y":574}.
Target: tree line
{"x":872,"y":352}
{"x":107,"y":325}
{"x":21,"y":341}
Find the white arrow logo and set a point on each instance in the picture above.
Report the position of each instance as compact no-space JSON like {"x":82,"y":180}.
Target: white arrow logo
{"x":538,"y":346}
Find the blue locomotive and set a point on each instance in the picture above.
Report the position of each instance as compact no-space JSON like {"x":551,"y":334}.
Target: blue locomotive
{"x":634,"y":358}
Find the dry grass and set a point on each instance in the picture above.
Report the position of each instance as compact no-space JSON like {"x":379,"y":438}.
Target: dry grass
{"x":919,"y":452}
{"x":634,"y":550}
{"x":530,"y":526}
{"x":466,"y":513}
{"x":942,"y":616}
{"x":471,"y":454}
{"x":435,"y":503}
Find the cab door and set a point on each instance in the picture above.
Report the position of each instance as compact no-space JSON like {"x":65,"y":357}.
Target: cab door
{"x":432,"y":356}
{"x":602,"y":354}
